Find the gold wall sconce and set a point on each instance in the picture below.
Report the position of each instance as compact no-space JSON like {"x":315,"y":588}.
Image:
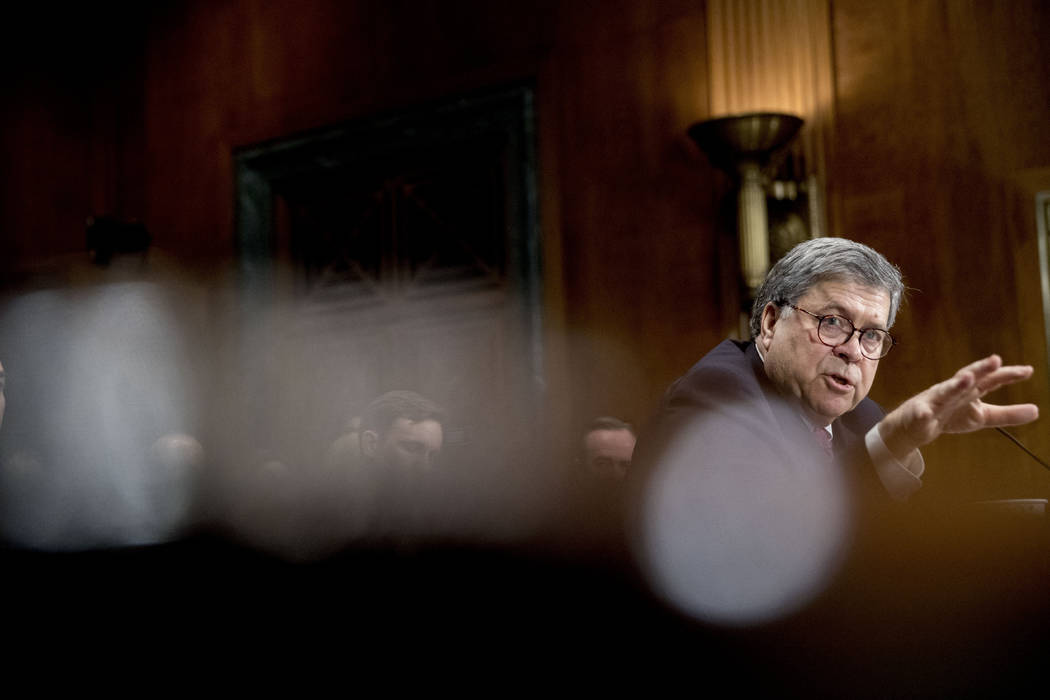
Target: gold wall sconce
{"x":752,"y":149}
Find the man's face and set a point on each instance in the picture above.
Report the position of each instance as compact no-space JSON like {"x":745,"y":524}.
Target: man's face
{"x":406,"y":444}
{"x":828,"y":381}
{"x":608,"y":452}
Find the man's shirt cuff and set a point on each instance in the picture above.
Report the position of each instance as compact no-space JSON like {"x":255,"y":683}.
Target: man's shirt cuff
{"x":901,"y":479}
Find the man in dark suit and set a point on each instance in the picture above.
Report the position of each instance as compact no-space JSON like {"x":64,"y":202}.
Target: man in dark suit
{"x":753,"y":466}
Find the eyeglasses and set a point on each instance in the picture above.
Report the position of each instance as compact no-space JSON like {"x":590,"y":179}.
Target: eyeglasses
{"x":834,"y":330}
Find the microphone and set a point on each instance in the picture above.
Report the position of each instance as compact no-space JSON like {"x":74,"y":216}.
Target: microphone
{"x":1027,"y":451}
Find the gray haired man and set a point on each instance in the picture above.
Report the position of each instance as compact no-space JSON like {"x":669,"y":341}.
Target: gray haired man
{"x":820,"y":325}
{"x":766,"y":451}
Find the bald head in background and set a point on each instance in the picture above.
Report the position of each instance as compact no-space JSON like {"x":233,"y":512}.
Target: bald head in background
{"x":608,"y":445}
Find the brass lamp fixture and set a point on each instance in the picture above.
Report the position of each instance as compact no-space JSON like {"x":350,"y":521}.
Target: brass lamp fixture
{"x":747,"y":146}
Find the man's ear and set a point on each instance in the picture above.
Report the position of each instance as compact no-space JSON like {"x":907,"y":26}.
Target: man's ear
{"x":767,"y":326}
{"x":369,"y":443}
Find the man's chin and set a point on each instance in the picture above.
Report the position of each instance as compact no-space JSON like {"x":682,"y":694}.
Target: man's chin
{"x":826,"y":412}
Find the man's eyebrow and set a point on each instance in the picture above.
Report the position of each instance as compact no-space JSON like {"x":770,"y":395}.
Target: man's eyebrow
{"x":834,"y":308}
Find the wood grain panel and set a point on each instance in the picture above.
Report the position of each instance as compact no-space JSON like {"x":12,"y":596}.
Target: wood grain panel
{"x":637,"y":218}
{"x":935,"y":109}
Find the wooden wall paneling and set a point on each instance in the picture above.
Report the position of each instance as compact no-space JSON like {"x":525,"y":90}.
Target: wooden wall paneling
{"x":1028,"y":306}
{"x":634,"y":210}
{"x":45,"y":204}
{"x":49,"y":68}
{"x":190,"y":80}
{"x":921,"y":156}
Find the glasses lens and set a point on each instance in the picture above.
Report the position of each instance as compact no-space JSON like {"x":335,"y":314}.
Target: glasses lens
{"x":834,"y":329}
{"x":875,"y":343}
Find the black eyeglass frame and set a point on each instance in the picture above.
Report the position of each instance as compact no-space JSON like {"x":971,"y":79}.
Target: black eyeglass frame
{"x":853,"y":329}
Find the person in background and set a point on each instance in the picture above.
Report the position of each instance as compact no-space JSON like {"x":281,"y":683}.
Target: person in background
{"x":608,"y":445}
{"x":399,"y":430}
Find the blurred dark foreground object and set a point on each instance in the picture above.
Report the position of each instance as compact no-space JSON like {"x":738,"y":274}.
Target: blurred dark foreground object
{"x":955,"y":608}
{"x":108,"y":236}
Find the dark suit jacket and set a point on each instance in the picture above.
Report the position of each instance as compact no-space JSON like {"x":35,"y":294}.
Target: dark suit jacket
{"x":738,"y":514}
{"x":727,"y":397}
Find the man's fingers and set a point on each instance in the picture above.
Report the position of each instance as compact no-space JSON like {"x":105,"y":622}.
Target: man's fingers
{"x":951,"y":393}
{"x":984,"y":366}
{"x":1015,"y":414}
{"x":991,"y":374}
{"x":976,"y":380}
{"x":1003,"y":376}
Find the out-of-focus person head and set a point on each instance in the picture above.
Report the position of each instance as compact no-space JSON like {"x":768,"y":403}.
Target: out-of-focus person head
{"x":821,"y":322}
{"x":608,"y":444}
{"x":402,"y":430}
{"x":175,"y":465}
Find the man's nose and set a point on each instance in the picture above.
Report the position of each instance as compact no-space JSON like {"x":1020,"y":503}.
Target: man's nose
{"x":849,"y":350}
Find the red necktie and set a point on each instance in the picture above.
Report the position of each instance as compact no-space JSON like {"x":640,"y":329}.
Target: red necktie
{"x":824,"y":438}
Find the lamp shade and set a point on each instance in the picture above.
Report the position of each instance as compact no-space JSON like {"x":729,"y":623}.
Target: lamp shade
{"x":745,"y":138}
